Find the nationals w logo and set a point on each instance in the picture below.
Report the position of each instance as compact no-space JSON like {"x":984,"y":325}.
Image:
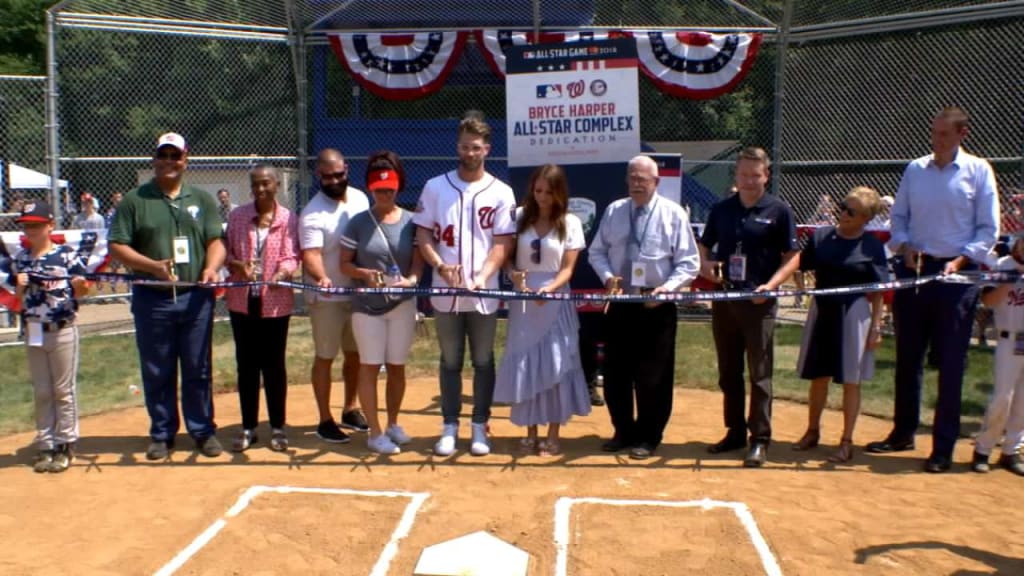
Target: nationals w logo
{"x":486,"y":217}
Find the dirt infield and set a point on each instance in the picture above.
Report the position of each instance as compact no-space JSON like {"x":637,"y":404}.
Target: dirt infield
{"x":116,"y":513}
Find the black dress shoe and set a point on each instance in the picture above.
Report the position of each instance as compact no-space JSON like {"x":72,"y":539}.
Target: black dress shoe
{"x":979,"y":463}
{"x":890,"y":445}
{"x":727,"y":444}
{"x":937,"y":464}
{"x":641,"y":452}
{"x":1012,"y":462}
{"x":616,"y":444}
{"x":756,"y":456}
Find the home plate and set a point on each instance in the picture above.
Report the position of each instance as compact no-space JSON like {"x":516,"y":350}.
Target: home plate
{"x":476,"y":554}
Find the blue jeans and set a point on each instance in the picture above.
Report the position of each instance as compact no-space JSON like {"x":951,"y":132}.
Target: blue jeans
{"x":170,"y":333}
{"x":452,"y":330}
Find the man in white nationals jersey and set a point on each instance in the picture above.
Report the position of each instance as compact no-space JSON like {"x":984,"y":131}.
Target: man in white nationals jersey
{"x":466,"y":221}
{"x":1005,"y":415}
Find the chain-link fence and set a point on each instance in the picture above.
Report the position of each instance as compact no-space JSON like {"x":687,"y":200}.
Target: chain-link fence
{"x":246,"y":80}
{"x":859,"y":99}
{"x":233,"y":99}
{"x":861,"y":79}
{"x":22,"y":144}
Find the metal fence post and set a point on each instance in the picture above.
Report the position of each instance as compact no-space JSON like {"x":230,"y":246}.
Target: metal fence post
{"x":297,"y":43}
{"x":52,"y":126}
{"x":781,"y":42}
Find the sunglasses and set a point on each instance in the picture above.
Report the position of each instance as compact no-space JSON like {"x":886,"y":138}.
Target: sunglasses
{"x":844,"y":208}
{"x":169,"y":156}
{"x":535,"y":254}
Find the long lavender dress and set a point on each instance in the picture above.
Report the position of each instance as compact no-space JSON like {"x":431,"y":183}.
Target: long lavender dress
{"x":540,"y":373}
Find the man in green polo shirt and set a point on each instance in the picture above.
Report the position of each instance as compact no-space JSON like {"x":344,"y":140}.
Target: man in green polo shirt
{"x":166,"y":230}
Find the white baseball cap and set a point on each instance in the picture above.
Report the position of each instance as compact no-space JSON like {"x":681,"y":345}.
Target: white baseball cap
{"x":172,"y":139}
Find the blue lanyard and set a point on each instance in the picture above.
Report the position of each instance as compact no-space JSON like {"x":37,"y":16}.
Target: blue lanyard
{"x":632,"y":224}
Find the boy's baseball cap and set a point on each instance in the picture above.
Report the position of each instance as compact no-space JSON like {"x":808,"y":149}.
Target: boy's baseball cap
{"x":36,"y":212}
{"x":86,"y":197}
{"x":172,"y":139}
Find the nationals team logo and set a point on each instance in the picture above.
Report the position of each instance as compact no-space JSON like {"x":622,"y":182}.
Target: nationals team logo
{"x":576,"y":88}
{"x":486,"y":217}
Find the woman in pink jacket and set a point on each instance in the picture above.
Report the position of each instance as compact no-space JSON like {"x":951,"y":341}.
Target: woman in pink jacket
{"x":262,"y":245}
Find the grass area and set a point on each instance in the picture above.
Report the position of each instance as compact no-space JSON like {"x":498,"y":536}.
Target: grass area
{"x":109,"y":366}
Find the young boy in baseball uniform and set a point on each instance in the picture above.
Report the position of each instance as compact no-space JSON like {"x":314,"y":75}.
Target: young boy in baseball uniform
{"x":1004,"y":417}
{"x":48,"y":314}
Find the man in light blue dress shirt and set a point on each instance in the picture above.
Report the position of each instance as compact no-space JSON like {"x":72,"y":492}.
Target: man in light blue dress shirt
{"x":644,"y":245}
{"x":945,"y":219}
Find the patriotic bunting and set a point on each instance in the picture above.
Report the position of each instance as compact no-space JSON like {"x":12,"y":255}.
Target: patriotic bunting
{"x":696,"y":65}
{"x":399,"y":66}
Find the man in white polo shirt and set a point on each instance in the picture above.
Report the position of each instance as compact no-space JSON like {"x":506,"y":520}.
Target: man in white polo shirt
{"x":320,"y":227}
{"x":466,"y":221}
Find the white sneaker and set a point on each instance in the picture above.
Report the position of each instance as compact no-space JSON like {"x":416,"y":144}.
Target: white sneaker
{"x":481,"y":446}
{"x":382,"y":445}
{"x":398,"y":435}
{"x":446,"y":445}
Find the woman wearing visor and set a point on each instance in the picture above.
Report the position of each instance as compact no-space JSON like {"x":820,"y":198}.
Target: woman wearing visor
{"x":378,"y":249}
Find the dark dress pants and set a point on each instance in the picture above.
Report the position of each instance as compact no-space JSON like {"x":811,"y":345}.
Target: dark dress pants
{"x":744,"y":329}
{"x":640,"y":359}
{"x":940,"y":314}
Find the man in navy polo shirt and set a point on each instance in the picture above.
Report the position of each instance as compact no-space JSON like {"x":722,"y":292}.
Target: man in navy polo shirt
{"x":748,"y":238}
{"x":167,"y":230}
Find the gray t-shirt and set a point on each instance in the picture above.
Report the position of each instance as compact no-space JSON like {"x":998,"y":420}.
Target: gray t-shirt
{"x":363,"y":235}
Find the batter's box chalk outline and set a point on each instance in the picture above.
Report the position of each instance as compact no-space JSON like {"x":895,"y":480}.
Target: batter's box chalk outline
{"x":380,"y":568}
{"x":563,"y":509}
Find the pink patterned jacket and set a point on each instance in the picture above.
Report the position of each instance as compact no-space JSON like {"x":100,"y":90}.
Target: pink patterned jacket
{"x":281,"y":253}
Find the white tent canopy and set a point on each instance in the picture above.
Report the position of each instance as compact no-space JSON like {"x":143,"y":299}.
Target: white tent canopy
{"x":27,"y":179}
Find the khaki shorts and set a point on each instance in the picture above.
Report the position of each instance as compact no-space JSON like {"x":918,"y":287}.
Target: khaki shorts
{"x":332,"y":328}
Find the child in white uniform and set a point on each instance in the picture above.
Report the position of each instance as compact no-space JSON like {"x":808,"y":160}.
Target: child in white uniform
{"x":1004,"y":417}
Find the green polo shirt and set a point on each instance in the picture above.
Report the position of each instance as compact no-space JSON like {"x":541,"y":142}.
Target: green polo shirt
{"x":148,"y":221}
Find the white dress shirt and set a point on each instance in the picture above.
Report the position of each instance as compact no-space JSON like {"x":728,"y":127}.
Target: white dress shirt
{"x":662,"y":239}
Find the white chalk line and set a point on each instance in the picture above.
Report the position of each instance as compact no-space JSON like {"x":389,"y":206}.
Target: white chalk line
{"x":380,"y":568}
{"x":563,"y":510}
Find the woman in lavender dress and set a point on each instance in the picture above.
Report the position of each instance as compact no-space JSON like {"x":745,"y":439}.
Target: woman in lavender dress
{"x":540,"y":374}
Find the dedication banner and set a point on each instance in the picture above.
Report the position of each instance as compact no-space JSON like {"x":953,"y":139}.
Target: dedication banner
{"x":573,"y":103}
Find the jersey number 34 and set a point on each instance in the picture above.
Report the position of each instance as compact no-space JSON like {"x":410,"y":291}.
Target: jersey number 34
{"x":447,"y":236}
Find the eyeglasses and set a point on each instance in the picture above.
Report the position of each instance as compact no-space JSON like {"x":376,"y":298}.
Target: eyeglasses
{"x":844,"y":208}
{"x":340,"y":175}
{"x":535,"y":254}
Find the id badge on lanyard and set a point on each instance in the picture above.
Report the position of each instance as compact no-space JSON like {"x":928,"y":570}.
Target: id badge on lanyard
{"x":181,"y":250}
{"x":638,"y":274}
{"x":256,"y":290}
{"x":35,"y":333}
{"x":738,"y":265}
